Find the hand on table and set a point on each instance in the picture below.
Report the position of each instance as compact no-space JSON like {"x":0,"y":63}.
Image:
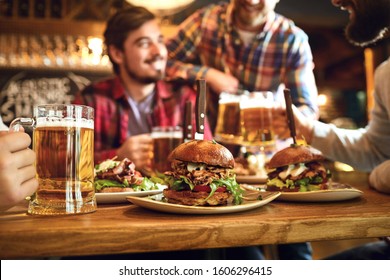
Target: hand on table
{"x":17,"y":171}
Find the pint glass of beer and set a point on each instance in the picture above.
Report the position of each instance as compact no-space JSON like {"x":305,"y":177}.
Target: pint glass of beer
{"x":256,"y":119}
{"x":228,"y":123}
{"x":165,"y":139}
{"x":63,"y":142}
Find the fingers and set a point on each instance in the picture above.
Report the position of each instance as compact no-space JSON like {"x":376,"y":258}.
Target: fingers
{"x":17,"y":184}
{"x":15,"y":141}
{"x":26,"y":173}
{"x":28,"y":188}
{"x":23,"y":158}
{"x":139,"y":149}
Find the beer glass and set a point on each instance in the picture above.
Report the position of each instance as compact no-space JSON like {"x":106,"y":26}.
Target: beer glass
{"x":165,"y":139}
{"x":228,"y":123}
{"x":63,"y":143}
{"x":256,"y":119}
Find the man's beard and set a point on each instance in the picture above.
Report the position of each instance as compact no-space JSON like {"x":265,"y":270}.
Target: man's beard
{"x":145,"y":79}
{"x":369,"y":25}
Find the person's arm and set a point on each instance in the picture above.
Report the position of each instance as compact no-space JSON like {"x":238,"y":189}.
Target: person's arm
{"x":300,"y":77}
{"x":17,"y":171}
{"x":183,"y":54}
{"x":379,"y":178}
{"x":184,"y":58}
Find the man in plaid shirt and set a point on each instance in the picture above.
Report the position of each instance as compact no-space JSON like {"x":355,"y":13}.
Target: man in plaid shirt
{"x":245,"y":44}
{"x":128,"y":105}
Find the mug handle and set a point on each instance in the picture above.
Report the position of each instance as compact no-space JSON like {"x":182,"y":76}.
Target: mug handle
{"x":18,"y":122}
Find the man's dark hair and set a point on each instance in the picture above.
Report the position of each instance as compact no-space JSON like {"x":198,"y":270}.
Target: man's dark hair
{"x":122,"y":23}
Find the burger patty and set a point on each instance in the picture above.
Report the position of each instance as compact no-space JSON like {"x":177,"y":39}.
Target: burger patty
{"x":199,"y":177}
{"x":314,"y":169}
{"x":196,"y":198}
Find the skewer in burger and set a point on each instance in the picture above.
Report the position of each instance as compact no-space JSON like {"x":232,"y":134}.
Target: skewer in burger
{"x":202,"y":174}
{"x":297,"y":168}
{"x":120,"y":176}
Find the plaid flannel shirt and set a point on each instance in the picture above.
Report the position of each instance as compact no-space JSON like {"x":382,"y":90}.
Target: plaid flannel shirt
{"x":109,"y":99}
{"x":280,"y":54}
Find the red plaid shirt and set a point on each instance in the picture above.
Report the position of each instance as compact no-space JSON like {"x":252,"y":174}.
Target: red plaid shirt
{"x":112,"y":110}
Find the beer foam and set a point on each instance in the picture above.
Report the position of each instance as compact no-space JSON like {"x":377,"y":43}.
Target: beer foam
{"x":167,"y":134}
{"x":65,"y":122}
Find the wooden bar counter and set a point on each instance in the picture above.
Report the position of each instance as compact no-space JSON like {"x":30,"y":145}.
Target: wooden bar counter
{"x":126,"y":228}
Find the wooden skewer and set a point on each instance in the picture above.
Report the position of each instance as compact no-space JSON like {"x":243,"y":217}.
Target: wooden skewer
{"x":290,"y":115}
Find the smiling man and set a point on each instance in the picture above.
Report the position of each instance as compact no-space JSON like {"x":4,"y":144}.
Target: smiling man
{"x":368,"y":20}
{"x":137,"y":98}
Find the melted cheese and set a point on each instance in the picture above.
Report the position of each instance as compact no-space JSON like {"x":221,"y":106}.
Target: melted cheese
{"x":293,"y":170}
{"x":195,"y":166}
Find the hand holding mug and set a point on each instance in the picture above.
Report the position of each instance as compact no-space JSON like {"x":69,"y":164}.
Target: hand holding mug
{"x":17,"y":171}
{"x":139,"y":149}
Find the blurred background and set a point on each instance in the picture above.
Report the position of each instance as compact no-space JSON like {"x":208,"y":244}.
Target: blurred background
{"x":49,"y":49}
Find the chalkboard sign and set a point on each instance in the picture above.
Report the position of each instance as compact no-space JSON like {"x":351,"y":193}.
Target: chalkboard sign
{"x":20,"y":90}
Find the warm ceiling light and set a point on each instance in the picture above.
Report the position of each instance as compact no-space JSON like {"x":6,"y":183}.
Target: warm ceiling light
{"x":164,"y":7}
{"x":322,"y":100}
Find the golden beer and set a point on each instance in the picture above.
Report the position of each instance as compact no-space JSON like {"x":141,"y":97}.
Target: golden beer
{"x":257,"y":126}
{"x":165,"y":139}
{"x":65,"y":169}
{"x":228,"y":123}
{"x":63,"y":143}
{"x":162,"y":146}
{"x":256,"y":120}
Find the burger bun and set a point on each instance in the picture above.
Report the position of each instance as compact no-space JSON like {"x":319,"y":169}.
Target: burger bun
{"x":203,"y":151}
{"x":293,"y":155}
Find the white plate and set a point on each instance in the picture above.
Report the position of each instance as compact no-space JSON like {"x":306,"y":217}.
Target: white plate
{"x":251,"y":179}
{"x":338,"y":192}
{"x":120,"y":197}
{"x":155,"y":203}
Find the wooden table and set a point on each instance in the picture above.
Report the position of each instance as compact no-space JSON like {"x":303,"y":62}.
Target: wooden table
{"x":125,"y":228}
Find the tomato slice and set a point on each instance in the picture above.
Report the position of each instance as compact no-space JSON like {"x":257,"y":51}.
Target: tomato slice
{"x":203,"y":188}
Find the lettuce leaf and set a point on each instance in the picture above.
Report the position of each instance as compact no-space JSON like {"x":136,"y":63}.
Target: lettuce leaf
{"x":146,"y":185}
{"x":183,"y":182}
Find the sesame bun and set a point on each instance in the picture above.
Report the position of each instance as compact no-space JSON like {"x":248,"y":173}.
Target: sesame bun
{"x":203,"y":151}
{"x":294,"y":155}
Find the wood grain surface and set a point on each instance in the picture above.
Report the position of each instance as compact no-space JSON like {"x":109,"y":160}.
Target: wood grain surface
{"x":126,"y":228}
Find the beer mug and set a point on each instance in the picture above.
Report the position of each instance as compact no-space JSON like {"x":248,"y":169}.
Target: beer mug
{"x":228,"y":123}
{"x":256,"y":119}
{"x":63,"y":143}
{"x":165,"y":139}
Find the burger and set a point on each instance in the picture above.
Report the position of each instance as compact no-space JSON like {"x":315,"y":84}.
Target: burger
{"x":120,"y":176}
{"x":202,"y":175}
{"x":297,"y":168}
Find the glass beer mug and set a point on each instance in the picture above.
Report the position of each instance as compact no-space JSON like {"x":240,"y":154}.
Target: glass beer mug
{"x":165,"y":140}
{"x":63,"y":139}
{"x":256,"y":119}
{"x":228,"y":123}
